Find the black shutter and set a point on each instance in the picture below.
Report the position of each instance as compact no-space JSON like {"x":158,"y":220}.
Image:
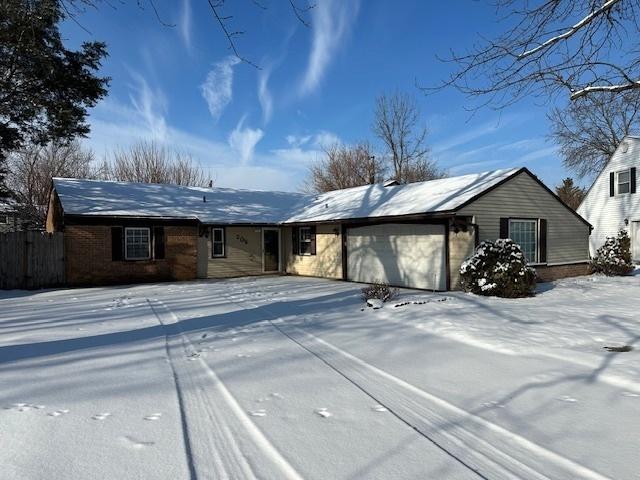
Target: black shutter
{"x":504,"y":228}
{"x":294,"y":240}
{"x":158,"y":243}
{"x":116,"y":243}
{"x":633,"y":179}
{"x":313,"y":240}
{"x":612,"y":184}
{"x":542,"y":241}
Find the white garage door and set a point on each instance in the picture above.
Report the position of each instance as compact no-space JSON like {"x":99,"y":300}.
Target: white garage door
{"x":408,"y":255}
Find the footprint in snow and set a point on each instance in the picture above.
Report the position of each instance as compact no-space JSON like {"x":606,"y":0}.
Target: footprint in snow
{"x":276,"y":395}
{"x":153,"y":416}
{"x":258,"y":413}
{"x":567,"y":398}
{"x":101,"y":416}
{"x":323,"y":412}
{"x":243,"y":355}
{"x":379,"y":408}
{"x":494,"y":404}
{"x":204,"y":335}
{"x":138,"y":444}
{"x":57,"y":413}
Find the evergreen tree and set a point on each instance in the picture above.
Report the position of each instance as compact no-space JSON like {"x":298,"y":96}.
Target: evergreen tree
{"x":45,"y":89}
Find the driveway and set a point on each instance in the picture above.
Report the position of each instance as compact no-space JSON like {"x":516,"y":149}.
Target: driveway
{"x":288,"y":377}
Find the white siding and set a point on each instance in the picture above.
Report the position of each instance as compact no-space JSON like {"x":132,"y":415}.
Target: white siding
{"x":605,"y":213}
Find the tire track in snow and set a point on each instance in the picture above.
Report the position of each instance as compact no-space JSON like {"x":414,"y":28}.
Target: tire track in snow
{"x":490,"y":450}
{"x":485,"y":448}
{"x":224,"y":442}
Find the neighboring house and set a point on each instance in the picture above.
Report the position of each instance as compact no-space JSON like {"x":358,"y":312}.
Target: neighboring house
{"x":10,"y":218}
{"x":414,"y":235}
{"x":612,"y":203}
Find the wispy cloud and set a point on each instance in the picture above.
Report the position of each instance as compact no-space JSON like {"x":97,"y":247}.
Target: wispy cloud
{"x":217,"y":89}
{"x":243,"y":140}
{"x":264,"y":95}
{"x":318,"y":140}
{"x":150,"y":105}
{"x":184,"y":23}
{"x":331,"y":20}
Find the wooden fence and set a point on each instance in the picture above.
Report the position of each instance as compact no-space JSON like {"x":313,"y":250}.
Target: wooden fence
{"x":31,"y":260}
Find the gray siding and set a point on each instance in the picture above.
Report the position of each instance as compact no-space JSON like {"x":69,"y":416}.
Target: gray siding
{"x":523,"y":197}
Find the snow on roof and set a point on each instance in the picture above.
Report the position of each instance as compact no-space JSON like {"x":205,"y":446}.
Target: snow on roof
{"x":414,"y":198}
{"x":229,"y":206}
{"x":222,"y":205}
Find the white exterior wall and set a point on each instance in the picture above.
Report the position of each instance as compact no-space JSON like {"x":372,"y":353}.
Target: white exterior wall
{"x":607,"y":214}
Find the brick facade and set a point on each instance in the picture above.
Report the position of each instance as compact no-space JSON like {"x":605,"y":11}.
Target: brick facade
{"x":556,"y":272}
{"x":89,"y":260}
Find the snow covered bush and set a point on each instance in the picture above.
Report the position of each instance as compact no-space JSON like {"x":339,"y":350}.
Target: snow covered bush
{"x":614,"y":257}
{"x":499,"y":269}
{"x":380,"y":291}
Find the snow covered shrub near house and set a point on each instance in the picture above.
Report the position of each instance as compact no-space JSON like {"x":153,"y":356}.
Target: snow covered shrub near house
{"x":614,"y":257}
{"x":499,"y":269}
{"x":379,"y":291}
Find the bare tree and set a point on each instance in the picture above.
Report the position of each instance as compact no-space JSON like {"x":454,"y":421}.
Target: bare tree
{"x":570,"y":193}
{"x":149,"y":162}
{"x":591,"y":128}
{"x":397,"y":124}
{"x":579,"y":47}
{"x":221,"y":12}
{"x":345,"y":167}
{"x":32,"y":168}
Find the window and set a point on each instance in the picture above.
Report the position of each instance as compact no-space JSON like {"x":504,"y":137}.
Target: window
{"x":217,"y":242}
{"x":137,"y":244}
{"x":304,"y":241}
{"x":525,"y":234}
{"x":4,"y":218}
{"x":624,"y":181}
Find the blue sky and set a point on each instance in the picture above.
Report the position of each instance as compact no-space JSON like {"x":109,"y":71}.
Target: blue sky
{"x":261,"y":128}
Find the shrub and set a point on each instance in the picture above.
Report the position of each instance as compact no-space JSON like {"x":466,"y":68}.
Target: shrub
{"x":381,"y":291}
{"x":498,"y":268}
{"x":614,"y":257}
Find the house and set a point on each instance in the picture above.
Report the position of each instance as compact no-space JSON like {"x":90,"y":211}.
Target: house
{"x":415,"y":235}
{"x":11,"y":219}
{"x":612,"y":204}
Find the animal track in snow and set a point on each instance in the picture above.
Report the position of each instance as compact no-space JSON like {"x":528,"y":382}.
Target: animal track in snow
{"x":101,"y":416}
{"x":379,"y":408}
{"x":493,"y":404}
{"x":153,"y":416}
{"x":323,"y":412}
{"x":258,"y":413}
{"x":567,"y":398}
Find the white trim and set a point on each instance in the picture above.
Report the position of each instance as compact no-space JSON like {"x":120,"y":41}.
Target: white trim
{"x":264,"y":229}
{"x":126,"y":250}
{"x":224,"y":242}
{"x":536,"y":223}
{"x":575,"y":262}
{"x":299,"y":237}
{"x":628,"y":182}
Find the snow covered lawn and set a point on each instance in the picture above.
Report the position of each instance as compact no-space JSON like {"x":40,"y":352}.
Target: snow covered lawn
{"x":285,"y":377}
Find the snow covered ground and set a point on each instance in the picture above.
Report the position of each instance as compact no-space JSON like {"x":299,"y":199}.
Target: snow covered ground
{"x":286,"y":377}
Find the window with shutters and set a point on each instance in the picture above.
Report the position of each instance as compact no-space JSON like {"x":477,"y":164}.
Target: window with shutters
{"x":624,"y":181}
{"x":217,"y":242}
{"x":304,"y":241}
{"x":4,"y":219}
{"x":525,"y":234}
{"x":137,"y":243}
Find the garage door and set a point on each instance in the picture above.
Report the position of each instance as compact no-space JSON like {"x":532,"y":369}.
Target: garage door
{"x":407,"y":255}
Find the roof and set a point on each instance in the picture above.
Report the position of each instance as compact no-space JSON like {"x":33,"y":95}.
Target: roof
{"x":230,"y":206}
{"x":127,"y":199}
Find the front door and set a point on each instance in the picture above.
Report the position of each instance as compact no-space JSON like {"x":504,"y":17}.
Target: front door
{"x":271,"y":249}
{"x":635,"y":241}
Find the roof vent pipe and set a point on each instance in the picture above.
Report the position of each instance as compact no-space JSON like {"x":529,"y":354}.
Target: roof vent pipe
{"x":204,"y":198}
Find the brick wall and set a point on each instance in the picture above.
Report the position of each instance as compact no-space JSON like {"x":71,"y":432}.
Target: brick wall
{"x":88,"y":257}
{"x":555,"y":272}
